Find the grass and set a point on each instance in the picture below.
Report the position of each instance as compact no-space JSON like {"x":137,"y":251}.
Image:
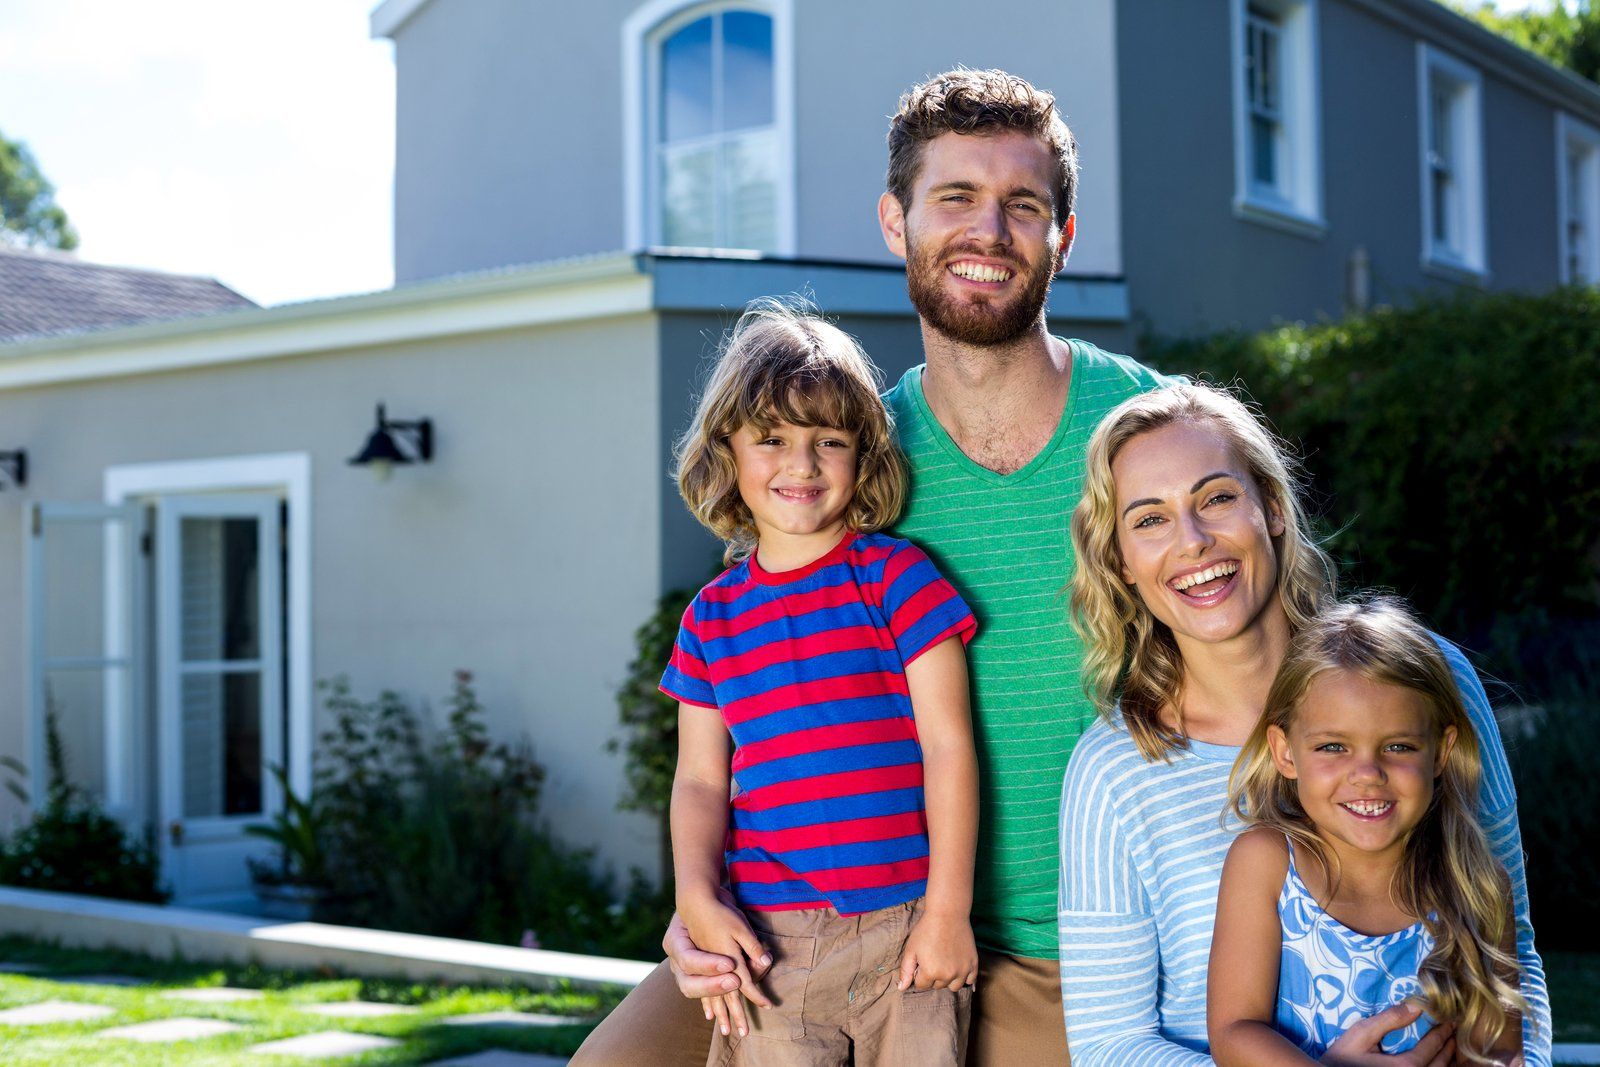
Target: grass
{"x":275,"y":1015}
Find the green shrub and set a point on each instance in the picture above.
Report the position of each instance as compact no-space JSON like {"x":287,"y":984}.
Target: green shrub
{"x":1453,"y":447}
{"x":439,"y":836}
{"x":72,"y":846}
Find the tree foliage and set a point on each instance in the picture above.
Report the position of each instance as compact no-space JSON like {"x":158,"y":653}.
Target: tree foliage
{"x":29,"y":214}
{"x":1567,"y":37}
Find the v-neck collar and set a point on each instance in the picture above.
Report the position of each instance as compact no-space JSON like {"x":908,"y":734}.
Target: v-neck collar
{"x":941,"y":436}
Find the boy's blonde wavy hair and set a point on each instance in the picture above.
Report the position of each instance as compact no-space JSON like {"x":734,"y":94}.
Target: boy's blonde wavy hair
{"x":782,"y":362}
{"x":1130,"y":658}
{"x":1448,"y":874}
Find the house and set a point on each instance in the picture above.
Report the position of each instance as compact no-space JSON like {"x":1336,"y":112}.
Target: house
{"x":584,"y":196}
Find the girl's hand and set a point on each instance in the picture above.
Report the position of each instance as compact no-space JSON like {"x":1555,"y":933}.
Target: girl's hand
{"x":940,"y":954}
{"x":1359,"y":1045}
{"x":715,"y":925}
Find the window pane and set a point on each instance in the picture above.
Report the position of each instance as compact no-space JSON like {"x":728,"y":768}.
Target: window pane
{"x":1443,"y":208}
{"x":688,"y":177}
{"x":220,"y":616}
{"x":746,"y":70}
{"x":750,"y":198}
{"x":222,"y":744}
{"x":1263,"y":151}
{"x":686,"y":83}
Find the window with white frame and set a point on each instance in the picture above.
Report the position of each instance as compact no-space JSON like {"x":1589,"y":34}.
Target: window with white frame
{"x":713,"y":139}
{"x":1450,"y":107}
{"x":1278,"y":170}
{"x":1578,"y":194}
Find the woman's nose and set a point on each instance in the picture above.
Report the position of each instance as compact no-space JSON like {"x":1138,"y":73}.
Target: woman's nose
{"x":1197,"y":539}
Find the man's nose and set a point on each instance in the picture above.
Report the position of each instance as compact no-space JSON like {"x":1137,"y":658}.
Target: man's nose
{"x":987,"y":223}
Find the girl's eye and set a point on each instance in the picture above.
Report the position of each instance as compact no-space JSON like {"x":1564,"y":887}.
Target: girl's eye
{"x":1332,"y":747}
{"x":1400,"y":746}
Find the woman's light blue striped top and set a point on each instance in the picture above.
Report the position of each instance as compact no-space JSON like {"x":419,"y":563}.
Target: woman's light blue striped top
{"x":1142,"y":847}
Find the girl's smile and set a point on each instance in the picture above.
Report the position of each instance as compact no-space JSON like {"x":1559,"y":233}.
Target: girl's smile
{"x":1364,"y":757}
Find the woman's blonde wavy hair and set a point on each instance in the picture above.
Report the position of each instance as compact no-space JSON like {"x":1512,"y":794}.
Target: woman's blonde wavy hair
{"x":1130,"y":658}
{"x":1448,"y":874}
{"x":782,"y":362}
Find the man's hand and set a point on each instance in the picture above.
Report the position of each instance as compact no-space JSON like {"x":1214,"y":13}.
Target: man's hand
{"x":728,"y":965}
{"x":940,"y":954}
{"x":1359,"y":1045}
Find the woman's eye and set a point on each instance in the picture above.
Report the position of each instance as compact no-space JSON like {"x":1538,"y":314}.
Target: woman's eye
{"x":1147,"y":521}
{"x":1221,"y":498}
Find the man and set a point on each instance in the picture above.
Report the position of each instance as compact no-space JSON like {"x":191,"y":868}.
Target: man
{"x":981,"y":185}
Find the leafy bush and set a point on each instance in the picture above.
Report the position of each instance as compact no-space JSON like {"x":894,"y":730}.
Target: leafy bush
{"x":1454,"y":446}
{"x":72,"y":846}
{"x":438,"y":836}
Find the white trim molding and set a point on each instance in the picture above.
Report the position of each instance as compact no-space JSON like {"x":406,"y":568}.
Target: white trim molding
{"x":287,"y":474}
{"x":1462,"y":254}
{"x":1287,"y":81}
{"x":1578,"y":238}
{"x":642,"y":33}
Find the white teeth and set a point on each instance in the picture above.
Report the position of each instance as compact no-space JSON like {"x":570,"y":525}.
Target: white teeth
{"x":980,"y":273}
{"x":1369,"y":807}
{"x":1189,"y":581}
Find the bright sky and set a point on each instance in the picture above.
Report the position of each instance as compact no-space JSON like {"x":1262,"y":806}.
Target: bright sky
{"x":250,"y":142}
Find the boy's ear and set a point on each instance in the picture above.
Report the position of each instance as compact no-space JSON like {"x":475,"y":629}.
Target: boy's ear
{"x":892,"y":221}
{"x":1282,"y":756}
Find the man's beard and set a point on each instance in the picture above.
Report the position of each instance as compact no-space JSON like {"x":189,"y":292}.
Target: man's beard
{"x":982,"y":322}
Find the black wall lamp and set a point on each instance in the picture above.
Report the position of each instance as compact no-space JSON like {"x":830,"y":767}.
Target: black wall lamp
{"x":14,"y":468}
{"x":383,"y":449}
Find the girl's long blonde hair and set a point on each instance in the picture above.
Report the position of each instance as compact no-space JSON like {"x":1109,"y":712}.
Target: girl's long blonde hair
{"x":1448,"y":876}
{"x":1130,"y":658}
{"x":782,"y":362}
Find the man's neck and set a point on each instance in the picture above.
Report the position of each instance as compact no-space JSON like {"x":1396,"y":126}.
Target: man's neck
{"x":1001,"y":404}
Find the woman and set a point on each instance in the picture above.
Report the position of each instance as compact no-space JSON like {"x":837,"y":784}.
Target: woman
{"x":1194,"y":568}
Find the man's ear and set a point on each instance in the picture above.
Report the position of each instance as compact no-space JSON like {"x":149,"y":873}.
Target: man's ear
{"x":892,"y":220}
{"x":1069,"y":230}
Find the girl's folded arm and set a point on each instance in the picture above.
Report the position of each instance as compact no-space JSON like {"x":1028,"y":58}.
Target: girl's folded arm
{"x":1242,"y":985}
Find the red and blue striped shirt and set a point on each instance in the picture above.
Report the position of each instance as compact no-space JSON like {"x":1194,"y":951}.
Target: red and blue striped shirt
{"x":807,"y":668}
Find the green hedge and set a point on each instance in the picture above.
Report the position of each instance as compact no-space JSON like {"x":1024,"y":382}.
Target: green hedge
{"x":1454,"y":451}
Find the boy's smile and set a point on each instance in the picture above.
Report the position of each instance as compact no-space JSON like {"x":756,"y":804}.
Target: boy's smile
{"x":798,"y":482}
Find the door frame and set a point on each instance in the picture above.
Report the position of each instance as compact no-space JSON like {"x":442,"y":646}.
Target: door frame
{"x":287,"y":474}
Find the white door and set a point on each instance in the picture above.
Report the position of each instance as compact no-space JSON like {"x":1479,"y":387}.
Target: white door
{"x":219,"y":692}
{"x":86,"y":651}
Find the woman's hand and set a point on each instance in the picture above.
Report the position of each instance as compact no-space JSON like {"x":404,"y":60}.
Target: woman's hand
{"x":1359,"y":1045}
{"x":940,"y":954}
{"x":714,"y":931}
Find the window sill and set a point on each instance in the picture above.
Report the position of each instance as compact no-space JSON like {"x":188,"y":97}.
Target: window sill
{"x":1453,"y":270}
{"x":1279,"y":216}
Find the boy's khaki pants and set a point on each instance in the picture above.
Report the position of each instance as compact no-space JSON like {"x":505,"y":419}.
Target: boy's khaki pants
{"x":1016,"y":1021}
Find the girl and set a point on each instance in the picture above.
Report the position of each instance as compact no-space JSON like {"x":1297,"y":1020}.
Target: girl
{"x":825,"y":670}
{"x":1366,"y":880}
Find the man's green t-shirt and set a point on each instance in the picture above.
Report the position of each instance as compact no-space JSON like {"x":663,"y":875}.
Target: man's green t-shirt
{"x":1003,"y":540}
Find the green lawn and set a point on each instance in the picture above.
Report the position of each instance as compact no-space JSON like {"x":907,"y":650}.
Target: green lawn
{"x":275,"y":1015}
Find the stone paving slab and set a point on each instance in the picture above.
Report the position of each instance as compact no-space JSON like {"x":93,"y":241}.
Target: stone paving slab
{"x":53,"y":1011}
{"x":499,"y":1057}
{"x":103,"y":979}
{"x":8,"y":967}
{"x":356,"y":1009}
{"x":213,"y":994}
{"x":514,"y":1018}
{"x":170,"y":1030}
{"x":325,"y":1044}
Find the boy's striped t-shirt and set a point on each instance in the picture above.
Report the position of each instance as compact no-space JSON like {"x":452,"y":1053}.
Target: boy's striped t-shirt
{"x":807,"y":668}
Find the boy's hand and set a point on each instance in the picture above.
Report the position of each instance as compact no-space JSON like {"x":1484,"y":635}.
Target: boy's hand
{"x":940,"y":954}
{"x":717,"y":926}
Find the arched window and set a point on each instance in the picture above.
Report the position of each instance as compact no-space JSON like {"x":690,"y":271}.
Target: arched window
{"x":713,"y":160}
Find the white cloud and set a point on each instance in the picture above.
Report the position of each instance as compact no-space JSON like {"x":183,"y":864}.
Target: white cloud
{"x":253,"y":143}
